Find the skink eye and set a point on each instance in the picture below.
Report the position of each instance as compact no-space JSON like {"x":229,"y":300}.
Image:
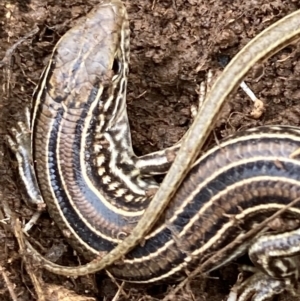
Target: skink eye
{"x":116,"y":66}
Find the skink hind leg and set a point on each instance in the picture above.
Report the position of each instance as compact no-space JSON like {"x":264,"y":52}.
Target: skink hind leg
{"x":277,"y":261}
{"x":260,"y":287}
{"x":19,"y":141}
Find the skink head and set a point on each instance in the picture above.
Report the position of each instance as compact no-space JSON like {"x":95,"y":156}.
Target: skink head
{"x":90,"y":57}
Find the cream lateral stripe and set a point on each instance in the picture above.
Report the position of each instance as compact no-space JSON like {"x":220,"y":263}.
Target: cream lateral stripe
{"x":209,"y":179}
{"x":123,"y":75}
{"x":239,"y":216}
{"x":119,"y":99}
{"x":66,"y":223}
{"x":54,"y":196}
{"x":228,"y":188}
{"x":279,"y":253}
{"x":92,"y":229}
{"x":84,"y":171}
{"x":118,"y":172}
{"x":251,"y":136}
{"x":108,"y":103}
{"x":232,"y":187}
{"x":38,"y":101}
{"x":113,"y":121}
{"x":205,"y":247}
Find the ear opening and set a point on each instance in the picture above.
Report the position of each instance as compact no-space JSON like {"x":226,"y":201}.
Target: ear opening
{"x":116,"y":67}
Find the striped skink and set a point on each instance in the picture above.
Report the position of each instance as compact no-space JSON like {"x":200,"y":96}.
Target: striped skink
{"x":97,"y":190}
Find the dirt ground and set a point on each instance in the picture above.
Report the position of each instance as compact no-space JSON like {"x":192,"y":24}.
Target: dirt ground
{"x":173,"y":45}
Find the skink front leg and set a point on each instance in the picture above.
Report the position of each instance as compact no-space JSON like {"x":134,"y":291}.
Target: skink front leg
{"x":19,"y":142}
{"x":159,"y":162}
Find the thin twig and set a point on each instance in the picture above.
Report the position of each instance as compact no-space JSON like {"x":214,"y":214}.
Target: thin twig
{"x":120,"y":287}
{"x":17,"y":230}
{"x":9,"y":285}
{"x":9,"y":52}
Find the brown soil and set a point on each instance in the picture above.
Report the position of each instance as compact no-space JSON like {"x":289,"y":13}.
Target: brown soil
{"x":173,"y":45}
